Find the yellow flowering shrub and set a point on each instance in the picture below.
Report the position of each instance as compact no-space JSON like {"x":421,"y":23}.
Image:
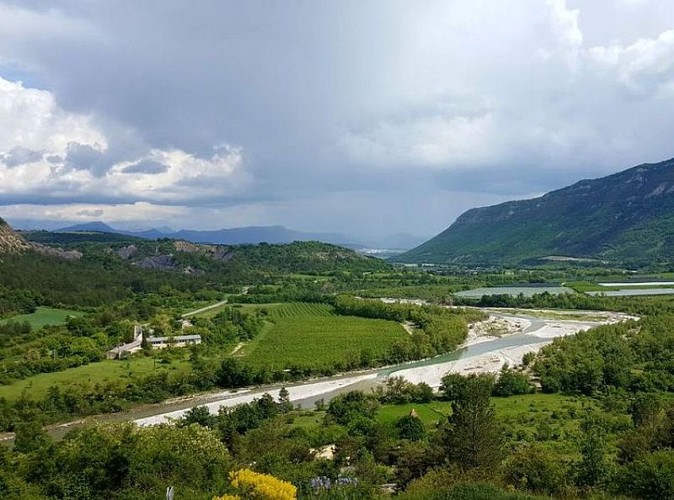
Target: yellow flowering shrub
{"x":254,"y":485}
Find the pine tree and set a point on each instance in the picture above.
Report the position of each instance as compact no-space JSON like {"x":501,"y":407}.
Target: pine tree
{"x":473,"y":437}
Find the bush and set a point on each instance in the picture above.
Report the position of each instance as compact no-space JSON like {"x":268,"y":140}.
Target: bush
{"x":512,"y":383}
{"x":533,"y":468}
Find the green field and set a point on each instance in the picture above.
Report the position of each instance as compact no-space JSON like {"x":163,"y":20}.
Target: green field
{"x":299,"y":310}
{"x":507,"y":408}
{"x":37,"y":385}
{"x":44,"y":316}
{"x":309,"y":336}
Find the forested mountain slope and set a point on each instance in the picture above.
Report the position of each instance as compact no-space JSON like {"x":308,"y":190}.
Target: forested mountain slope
{"x":626,"y":218}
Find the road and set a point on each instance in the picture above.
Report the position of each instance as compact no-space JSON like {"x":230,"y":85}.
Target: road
{"x":204,"y":309}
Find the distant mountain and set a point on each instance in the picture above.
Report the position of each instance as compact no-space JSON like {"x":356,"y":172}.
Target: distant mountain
{"x":625,"y":218}
{"x":88,"y":227}
{"x":234,"y":236}
{"x":256,"y":234}
{"x":10,"y":240}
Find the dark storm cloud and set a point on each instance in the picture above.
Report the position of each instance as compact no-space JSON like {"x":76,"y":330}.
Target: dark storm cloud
{"x":85,"y":157}
{"x":352,"y":101}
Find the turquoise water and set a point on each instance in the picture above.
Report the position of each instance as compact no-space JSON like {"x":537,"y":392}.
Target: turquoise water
{"x":527,"y":291}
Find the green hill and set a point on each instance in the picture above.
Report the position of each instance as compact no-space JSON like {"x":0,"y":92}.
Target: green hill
{"x":625,"y":218}
{"x":91,"y":269}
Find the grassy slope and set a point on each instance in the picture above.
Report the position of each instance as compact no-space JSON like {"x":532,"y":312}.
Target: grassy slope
{"x":37,"y":385}
{"x":44,"y":316}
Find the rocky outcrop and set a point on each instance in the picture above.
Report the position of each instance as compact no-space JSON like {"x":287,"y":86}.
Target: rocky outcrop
{"x":10,"y":240}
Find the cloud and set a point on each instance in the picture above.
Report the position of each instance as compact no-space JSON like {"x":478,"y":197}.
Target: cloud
{"x":645,"y":68}
{"x":99,"y":212}
{"x":84,"y":157}
{"x":146,"y":167}
{"x":33,"y":121}
{"x":257,"y":115}
{"x":19,"y":155}
{"x":73,"y":162}
{"x":81,"y":212}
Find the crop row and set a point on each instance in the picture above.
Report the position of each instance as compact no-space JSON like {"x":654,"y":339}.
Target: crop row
{"x":318,"y":342}
{"x":300,"y":310}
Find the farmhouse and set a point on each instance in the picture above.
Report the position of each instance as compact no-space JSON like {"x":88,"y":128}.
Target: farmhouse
{"x":176,"y":341}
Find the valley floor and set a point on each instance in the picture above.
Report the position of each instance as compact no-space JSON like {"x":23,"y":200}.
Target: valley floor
{"x":501,"y":339}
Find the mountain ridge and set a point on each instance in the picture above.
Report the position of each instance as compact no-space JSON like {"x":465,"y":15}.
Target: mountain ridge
{"x":275,"y":234}
{"x":228,"y":236}
{"x":626,"y":217}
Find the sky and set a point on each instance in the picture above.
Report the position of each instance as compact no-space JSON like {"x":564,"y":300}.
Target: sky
{"x":363,"y":117}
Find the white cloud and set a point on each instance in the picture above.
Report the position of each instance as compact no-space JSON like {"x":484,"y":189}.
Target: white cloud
{"x":82,"y":212}
{"x":185,"y":177}
{"x":645,"y":67}
{"x":32,"y":120}
{"x":38,"y":140}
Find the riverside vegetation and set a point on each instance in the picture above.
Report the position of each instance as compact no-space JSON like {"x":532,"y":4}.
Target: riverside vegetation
{"x":589,"y":416}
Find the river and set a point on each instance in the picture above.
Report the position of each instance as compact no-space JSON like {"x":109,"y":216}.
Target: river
{"x":481,"y":354}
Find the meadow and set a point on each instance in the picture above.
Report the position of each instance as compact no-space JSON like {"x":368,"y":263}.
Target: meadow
{"x":44,"y":316}
{"x":35,"y":387}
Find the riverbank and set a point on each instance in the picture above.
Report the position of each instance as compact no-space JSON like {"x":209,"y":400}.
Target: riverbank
{"x":541,"y":332}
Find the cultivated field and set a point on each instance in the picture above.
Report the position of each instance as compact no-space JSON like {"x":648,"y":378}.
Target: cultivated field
{"x":310,"y":336}
{"x":299,"y":310}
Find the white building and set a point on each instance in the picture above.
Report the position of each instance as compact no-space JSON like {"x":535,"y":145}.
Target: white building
{"x":175,"y":341}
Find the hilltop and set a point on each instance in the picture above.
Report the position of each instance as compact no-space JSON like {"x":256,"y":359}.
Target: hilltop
{"x":625,"y":218}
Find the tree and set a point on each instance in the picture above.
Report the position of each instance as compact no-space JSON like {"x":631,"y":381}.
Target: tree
{"x":650,"y":476}
{"x":644,"y":408}
{"x":451,"y":385}
{"x":30,"y":436}
{"x":410,"y":427}
{"x":535,"y":468}
{"x":199,"y":415}
{"x":593,"y":468}
{"x":351,"y":406}
{"x":510,"y":383}
{"x":474,"y":438}
{"x":284,"y":401}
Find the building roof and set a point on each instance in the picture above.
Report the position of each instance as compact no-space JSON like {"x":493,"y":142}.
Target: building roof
{"x":176,"y":338}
